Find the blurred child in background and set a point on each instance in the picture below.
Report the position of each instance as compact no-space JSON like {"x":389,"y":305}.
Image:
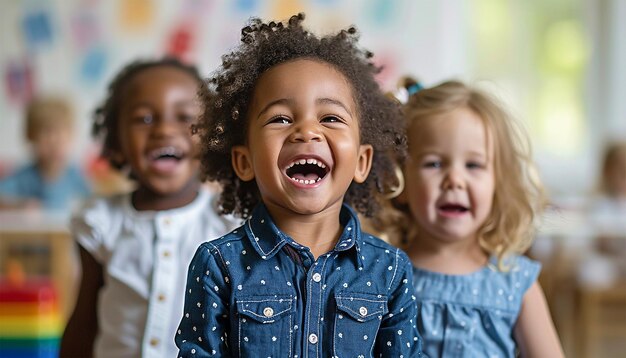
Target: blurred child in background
{"x":135,"y":248}
{"x":609,"y":208}
{"x":469,"y":204}
{"x":606,"y":264}
{"x":50,"y":182}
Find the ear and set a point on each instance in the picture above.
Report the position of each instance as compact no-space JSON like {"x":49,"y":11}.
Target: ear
{"x":402,"y":198}
{"x":117,"y":158}
{"x":364,"y":163}
{"x":241,"y":161}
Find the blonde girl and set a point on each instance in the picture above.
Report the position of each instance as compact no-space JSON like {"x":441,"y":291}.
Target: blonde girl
{"x":470,"y":201}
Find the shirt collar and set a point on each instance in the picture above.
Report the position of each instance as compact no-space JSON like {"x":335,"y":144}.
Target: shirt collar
{"x":267,"y":239}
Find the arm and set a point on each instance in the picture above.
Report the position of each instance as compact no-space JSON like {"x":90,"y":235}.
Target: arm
{"x":82,"y":326}
{"x":534,"y":330}
{"x":397,"y":335}
{"x":204,"y":328}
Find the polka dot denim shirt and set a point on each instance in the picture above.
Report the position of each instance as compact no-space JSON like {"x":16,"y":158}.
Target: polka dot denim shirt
{"x":257,"y":293}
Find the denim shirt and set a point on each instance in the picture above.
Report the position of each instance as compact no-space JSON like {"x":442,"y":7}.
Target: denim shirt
{"x":257,"y":293}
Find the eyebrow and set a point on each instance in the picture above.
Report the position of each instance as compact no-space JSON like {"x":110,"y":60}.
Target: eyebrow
{"x":290,"y":101}
{"x":335,"y":102}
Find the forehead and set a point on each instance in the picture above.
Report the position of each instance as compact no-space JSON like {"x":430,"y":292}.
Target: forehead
{"x":458,"y":129}
{"x":303,"y":79}
{"x":158,"y":78}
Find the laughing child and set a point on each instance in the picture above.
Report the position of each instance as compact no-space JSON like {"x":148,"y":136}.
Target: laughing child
{"x":295,"y":129}
{"x":135,"y":247}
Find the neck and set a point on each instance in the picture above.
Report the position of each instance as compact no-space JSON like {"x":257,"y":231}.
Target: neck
{"x":145,"y":199}
{"x":50,"y":171}
{"x":319,"y":232}
{"x":447,"y":257}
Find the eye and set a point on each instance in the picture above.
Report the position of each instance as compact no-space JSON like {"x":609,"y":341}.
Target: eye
{"x":144,"y":119}
{"x":279,"y":120}
{"x":474,"y":165}
{"x":331,"y":119}
{"x":432,"y":164}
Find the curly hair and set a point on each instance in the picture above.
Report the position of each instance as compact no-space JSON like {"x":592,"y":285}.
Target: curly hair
{"x":105,"y":125}
{"x":227,"y":95}
{"x":519,"y":194}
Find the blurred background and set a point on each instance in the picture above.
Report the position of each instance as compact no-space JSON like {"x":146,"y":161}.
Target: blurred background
{"x":557,"y":64}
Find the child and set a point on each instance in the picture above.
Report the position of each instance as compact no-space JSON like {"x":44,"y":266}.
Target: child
{"x":471,"y":197}
{"x":605,"y":265}
{"x":609,"y":208}
{"x":303,"y":123}
{"x":135,"y":248}
{"x":50,"y":183}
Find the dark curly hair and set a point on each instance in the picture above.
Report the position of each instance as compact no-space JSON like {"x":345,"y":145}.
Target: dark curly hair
{"x":105,"y":125}
{"x":227,"y":95}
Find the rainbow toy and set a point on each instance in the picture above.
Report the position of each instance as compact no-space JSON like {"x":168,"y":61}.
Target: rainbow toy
{"x":30,"y":322}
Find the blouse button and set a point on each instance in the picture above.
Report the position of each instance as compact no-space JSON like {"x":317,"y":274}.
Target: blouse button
{"x":268,"y":312}
{"x":313,"y":338}
{"x":317,"y":277}
{"x":363,"y":311}
{"x":161,"y":297}
{"x":154,"y":342}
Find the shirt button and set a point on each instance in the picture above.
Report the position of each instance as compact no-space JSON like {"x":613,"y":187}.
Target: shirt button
{"x":317,"y":277}
{"x":166,"y":254}
{"x":167,"y":221}
{"x":154,"y":342}
{"x":161,"y":297}
{"x":363,"y":311}
{"x":268,"y":312}
{"x":313,"y":338}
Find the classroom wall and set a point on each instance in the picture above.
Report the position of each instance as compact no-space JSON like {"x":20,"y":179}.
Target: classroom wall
{"x":74,"y":47}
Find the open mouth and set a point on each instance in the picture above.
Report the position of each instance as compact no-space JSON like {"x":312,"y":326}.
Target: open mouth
{"x":453,"y":209}
{"x":169,"y":153}
{"x":307,"y":171}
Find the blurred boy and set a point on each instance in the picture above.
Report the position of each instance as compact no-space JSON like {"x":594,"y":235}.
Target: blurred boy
{"x":49,"y":182}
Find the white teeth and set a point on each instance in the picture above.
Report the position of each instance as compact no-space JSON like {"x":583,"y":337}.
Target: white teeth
{"x":170,"y":150}
{"x":306,"y":181}
{"x":307,"y":161}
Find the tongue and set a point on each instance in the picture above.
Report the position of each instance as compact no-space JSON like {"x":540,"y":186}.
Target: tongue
{"x":301,"y":176}
{"x":165,"y":164}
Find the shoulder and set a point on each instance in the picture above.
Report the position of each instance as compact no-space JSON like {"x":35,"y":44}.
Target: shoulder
{"x":519,"y":274}
{"x":95,"y":223}
{"x":521,"y":266}
{"x":223,"y":248}
{"x":209,"y":211}
{"x":371,"y":243}
{"x":230,"y":243}
{"x":23,"y":175}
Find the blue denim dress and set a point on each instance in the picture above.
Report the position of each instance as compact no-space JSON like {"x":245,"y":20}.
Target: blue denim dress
{"x":472,"y":315}
{"x":257,"y":293}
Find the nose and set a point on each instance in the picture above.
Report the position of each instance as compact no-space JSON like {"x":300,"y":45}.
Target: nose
{"x":453,"y":179}
{"x":306,"y":131}
{"x":165,"y":127}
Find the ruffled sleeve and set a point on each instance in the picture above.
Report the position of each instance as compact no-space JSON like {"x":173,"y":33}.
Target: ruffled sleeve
{"x":92,"y":226}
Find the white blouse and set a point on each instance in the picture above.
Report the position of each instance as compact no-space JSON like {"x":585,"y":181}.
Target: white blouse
{"x":145,"y":257}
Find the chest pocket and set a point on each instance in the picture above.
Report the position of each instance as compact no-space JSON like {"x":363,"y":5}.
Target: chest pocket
{"x":356,"y":323}
{"x":265,"y":325}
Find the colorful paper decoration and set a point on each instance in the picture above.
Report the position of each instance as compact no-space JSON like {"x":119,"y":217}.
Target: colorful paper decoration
{"x":37,"y":29}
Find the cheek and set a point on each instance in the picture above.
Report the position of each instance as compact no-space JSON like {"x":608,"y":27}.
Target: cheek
{"x":420,"y":196}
